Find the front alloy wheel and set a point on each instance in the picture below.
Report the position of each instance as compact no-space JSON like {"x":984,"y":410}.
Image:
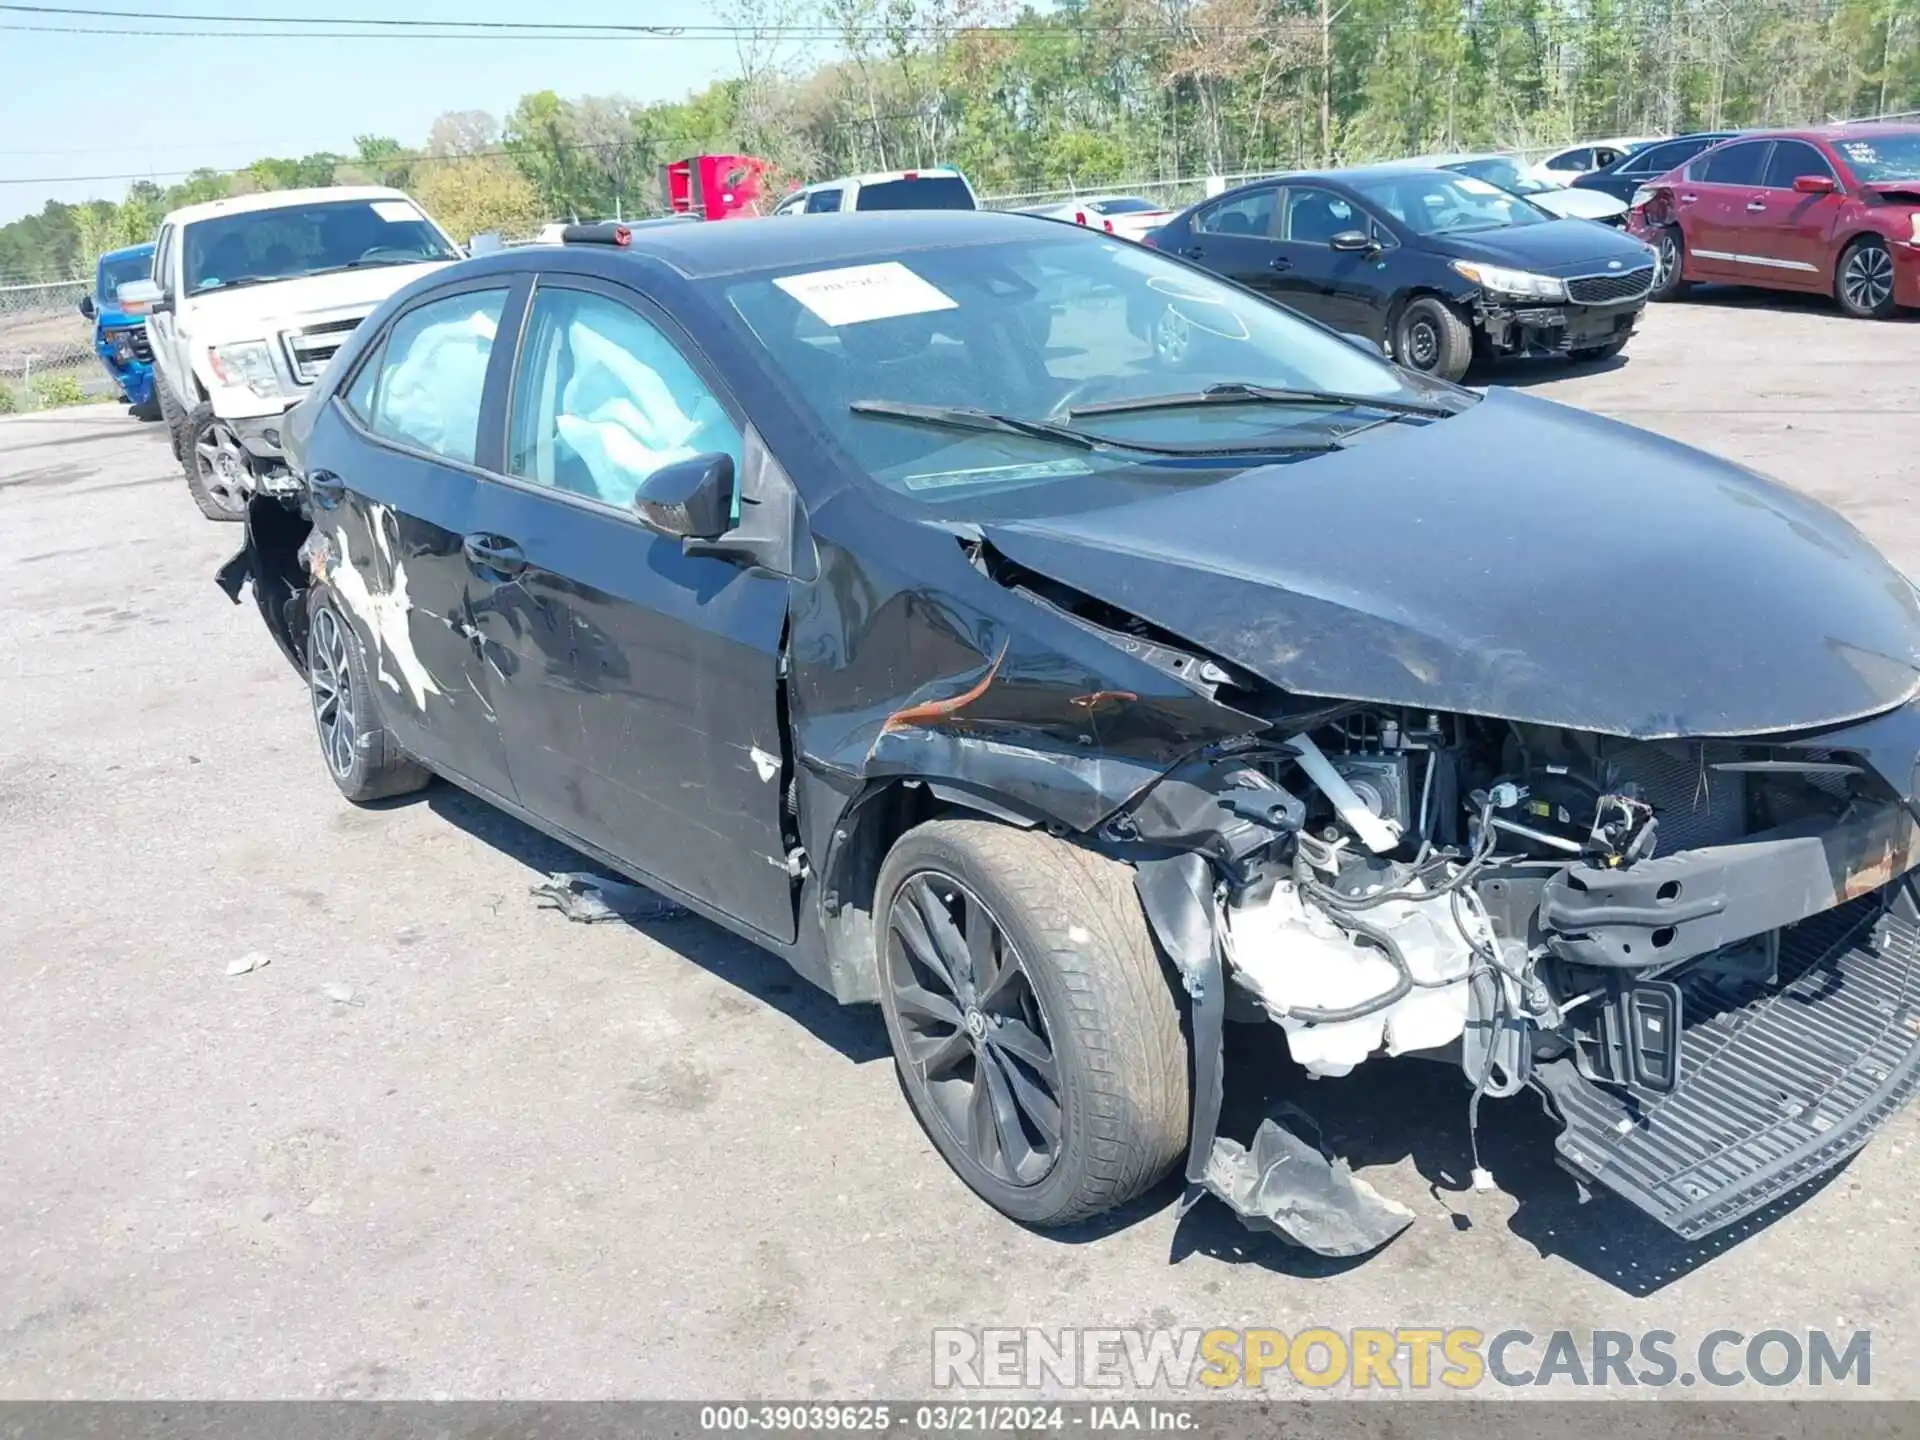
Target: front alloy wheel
{"x":972,"y":1029}
{"x":1866,"y":280}
{"x":219,"y":476}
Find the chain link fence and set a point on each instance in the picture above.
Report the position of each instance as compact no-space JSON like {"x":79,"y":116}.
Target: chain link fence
{"x":46,"y":346}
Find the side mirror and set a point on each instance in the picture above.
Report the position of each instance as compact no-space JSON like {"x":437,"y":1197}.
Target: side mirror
{"x":690,"y":499}
{"x":1814,"y":184}
{"x":1352,"y":241}
{"x":138,"y":295}
{"x":86,"y":306}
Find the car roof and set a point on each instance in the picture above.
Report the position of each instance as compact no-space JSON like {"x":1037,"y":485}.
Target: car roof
{"x":282,"y":199}
{"x":145,"y":247}
{"x":728,"y":247}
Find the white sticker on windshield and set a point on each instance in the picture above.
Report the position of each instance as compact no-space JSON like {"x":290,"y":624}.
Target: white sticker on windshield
{"x":859,"y":293}
{"x":1477,"y":187}
{"x":395,"y":212}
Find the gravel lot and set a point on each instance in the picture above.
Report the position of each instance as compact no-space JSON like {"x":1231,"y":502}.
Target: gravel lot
{"x":537,"y":1159}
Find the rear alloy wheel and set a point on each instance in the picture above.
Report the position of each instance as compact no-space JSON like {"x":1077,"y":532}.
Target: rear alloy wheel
{"x":1036,"y":1034}
{"x":1669,"y":265}
{"x":218,"y":474}
{"x":1432,"y":339}
{"x":1865,"y":284}
{"x":361,"y":756}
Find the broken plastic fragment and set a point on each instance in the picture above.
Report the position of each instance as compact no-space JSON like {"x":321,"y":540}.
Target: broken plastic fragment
{"x":341,"y":993}
{"x":593,"y":898}
{"x":1286,"y":1186}
{"x":252,"y":960}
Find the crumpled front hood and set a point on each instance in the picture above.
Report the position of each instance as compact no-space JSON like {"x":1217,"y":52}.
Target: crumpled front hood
{"x":1580,"y":204}
{"x":1522,"y":560}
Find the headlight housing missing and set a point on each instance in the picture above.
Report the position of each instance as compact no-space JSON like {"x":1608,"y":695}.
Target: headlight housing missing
{"x":1520,"y":284}
{"x":248,"y":363}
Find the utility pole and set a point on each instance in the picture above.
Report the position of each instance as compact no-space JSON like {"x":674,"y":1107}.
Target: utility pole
{"x":1326,"y":82}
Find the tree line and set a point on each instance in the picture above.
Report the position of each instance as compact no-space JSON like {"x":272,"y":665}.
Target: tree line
{"x":1084,"y":94}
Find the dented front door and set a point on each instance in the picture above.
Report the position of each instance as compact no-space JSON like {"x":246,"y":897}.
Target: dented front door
{"x":638,"y":686}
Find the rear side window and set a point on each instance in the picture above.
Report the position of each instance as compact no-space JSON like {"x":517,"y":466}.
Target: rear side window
{"x":823,"y":202}
{"x":1658,"y":159}
{"x":1250,"y":214}
{"x":1791,"y":159}
{"x":428,"y":380}
{"x":1572,"y":160}
{"x":1737,"y":164}
{"x":928,"y":192}
{"x":603,"y":398}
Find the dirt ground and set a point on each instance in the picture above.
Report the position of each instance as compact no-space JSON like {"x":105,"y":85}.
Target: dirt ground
{"x":528,"y":1158}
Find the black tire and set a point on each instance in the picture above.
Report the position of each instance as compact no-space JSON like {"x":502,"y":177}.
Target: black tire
{"x":1094,"y":991}
{"x":362,"y":758}
{"x":1863,"y":280}
{"x":170,"y":414}
{"x":1598,"y":352}
{"x":148,"y":409}
{"x":1430,"y":338}
{"x":1669,"y":265}
{"x":211,"y":483}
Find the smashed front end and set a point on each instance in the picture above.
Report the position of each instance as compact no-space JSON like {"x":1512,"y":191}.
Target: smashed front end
{"x":1704,"y":954}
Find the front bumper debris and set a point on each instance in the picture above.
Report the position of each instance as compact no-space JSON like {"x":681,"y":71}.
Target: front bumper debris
{"x":1554,"y":329}
{"x":1777,"y":1084}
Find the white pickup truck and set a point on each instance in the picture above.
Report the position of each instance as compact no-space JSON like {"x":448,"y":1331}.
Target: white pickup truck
{"x":248,"y":301}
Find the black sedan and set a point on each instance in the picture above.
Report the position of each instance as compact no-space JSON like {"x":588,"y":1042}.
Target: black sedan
{"x":1648,"y":162}
{"x":1435,"y":267}
{"x":871,"y":588}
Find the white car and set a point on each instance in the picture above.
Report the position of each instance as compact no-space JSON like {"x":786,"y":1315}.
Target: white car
{"x":1565,"y":166}
{"x":1556,"y":199}
{"x":1128,"y":216}
{"x":248,"y":301}
{"x":938,"y":187}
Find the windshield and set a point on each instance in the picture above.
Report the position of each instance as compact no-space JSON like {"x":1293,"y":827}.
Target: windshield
{"x":264,"y":245}
{"x":926,"y":192}
{"x":1437,"y":202}
{"x":1879,"y":158}
{"x":117,"y":270}
{"x":1499,"y":171}
{"x":1054,"y":329}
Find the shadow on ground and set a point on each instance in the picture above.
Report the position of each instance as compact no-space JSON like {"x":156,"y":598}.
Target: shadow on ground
{"x":857,"y":1032}
{"x":1385,"y":1112}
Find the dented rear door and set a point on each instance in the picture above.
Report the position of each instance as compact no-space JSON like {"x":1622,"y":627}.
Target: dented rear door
{"x":393,"y":486}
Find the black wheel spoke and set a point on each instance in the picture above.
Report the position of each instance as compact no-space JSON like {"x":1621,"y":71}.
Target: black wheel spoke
{"x":1039,"y":1107}
{"x":983,"y":1139}
{"x":1016,"y":1150}
{"x":946,"y":939}
{"x":919,"y":1001}
{"x":937,"y":1056}
{"x":1015,"y":1038}
{"x":911,"y":927}
{"x":983,"y":948}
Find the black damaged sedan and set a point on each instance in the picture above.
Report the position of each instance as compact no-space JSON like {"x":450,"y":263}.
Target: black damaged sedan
{"x":873,"y":588}
{"x":1437,"y":269}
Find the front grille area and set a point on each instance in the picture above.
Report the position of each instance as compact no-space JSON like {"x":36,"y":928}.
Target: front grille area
{"x":310,"y":348}
{"x":1611,"y":289}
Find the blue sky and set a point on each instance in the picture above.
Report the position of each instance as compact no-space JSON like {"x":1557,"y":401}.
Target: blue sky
{"x":98,"y":105}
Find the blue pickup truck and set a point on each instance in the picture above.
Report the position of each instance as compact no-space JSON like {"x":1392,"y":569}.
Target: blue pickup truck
{"x":119,"y":336}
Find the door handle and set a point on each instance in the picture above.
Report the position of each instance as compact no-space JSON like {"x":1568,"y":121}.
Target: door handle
{"x":1688,"y":199}
{"x":1193,"y":252}
{"x":492,"y":552}
{"x":1279,"y":262}
{"x":1756,"y":205}
{"x":326,"y":488}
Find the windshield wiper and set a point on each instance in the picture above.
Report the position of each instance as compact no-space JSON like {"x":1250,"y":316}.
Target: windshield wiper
{"x":238,"y":282}
{"x":359,"y":265}
{"x":967,"y":417}
{"x":1234,"y":392}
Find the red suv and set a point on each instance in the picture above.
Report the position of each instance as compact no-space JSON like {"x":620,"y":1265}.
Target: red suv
{"x":1834,"y":209}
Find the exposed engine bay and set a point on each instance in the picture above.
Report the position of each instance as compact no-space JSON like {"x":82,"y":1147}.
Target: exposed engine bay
{"x":1531,"y":904}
